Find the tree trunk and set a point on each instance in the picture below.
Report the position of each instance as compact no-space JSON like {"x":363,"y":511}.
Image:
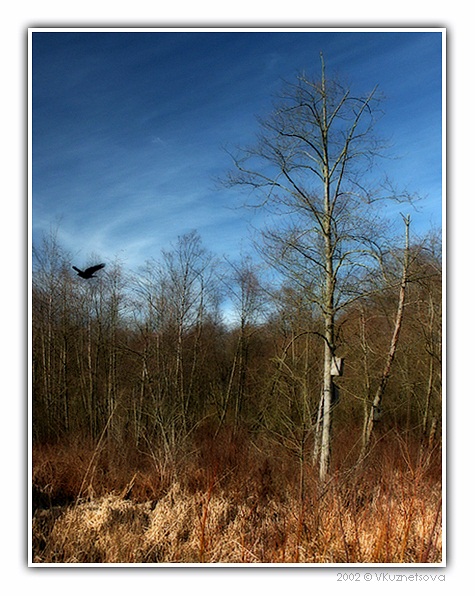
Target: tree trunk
{"x":376,"y":405}
{"x":327,"y":416}
{"x":329,"y":301}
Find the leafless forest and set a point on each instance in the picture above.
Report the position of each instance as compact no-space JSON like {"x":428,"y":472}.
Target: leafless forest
{"x":306,"y":428}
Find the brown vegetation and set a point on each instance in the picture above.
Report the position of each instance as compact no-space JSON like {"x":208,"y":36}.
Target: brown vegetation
{"x":232,"y":503}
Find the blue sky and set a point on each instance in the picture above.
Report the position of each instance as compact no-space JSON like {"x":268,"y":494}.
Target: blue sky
{"x":128,"y":127}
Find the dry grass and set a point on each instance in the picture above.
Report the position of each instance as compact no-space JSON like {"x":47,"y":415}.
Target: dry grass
{"x":241,"y":508}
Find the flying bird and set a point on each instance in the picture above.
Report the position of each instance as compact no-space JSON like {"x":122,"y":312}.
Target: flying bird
{"x":89,"y":272}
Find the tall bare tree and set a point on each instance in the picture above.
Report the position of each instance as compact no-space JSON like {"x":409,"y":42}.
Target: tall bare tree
{"x":311,"y":167}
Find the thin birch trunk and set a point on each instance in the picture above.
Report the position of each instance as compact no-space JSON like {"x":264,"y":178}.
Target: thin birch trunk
{"x":376,"y":405}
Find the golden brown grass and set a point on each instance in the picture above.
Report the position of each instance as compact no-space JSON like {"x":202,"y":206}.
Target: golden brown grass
{"x":238,"y":507}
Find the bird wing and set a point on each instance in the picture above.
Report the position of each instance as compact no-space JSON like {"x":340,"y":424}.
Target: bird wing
{"x":76,"y":269}
{"x":94,"y":268}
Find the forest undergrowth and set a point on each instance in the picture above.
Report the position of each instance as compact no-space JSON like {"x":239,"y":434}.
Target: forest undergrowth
{"x":235,"y":498}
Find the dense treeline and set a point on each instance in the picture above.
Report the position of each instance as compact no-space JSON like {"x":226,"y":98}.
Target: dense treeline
{"x":149,"y":360}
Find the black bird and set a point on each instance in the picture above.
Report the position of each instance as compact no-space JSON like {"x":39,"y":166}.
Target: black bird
{"x":89,"y":272}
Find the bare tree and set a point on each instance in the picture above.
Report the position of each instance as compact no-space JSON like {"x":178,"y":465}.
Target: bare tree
{"x":310,"y":167}
{"x":181,"y":296}
{"x":189,"y":283}
{"x":373,"y":413}
{"x":248,"y":301}
{"x":52,"y":298}
{"x":431,"y":325}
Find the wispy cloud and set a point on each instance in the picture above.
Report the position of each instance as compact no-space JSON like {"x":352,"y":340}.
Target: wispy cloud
{"x":128,"y":128}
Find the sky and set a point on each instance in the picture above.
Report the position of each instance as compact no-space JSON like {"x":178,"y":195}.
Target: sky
{"x":128,"y":128}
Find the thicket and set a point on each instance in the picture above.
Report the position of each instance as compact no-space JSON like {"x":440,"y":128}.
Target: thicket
{"x":150,"y":358}
{"x":238,"y":503}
